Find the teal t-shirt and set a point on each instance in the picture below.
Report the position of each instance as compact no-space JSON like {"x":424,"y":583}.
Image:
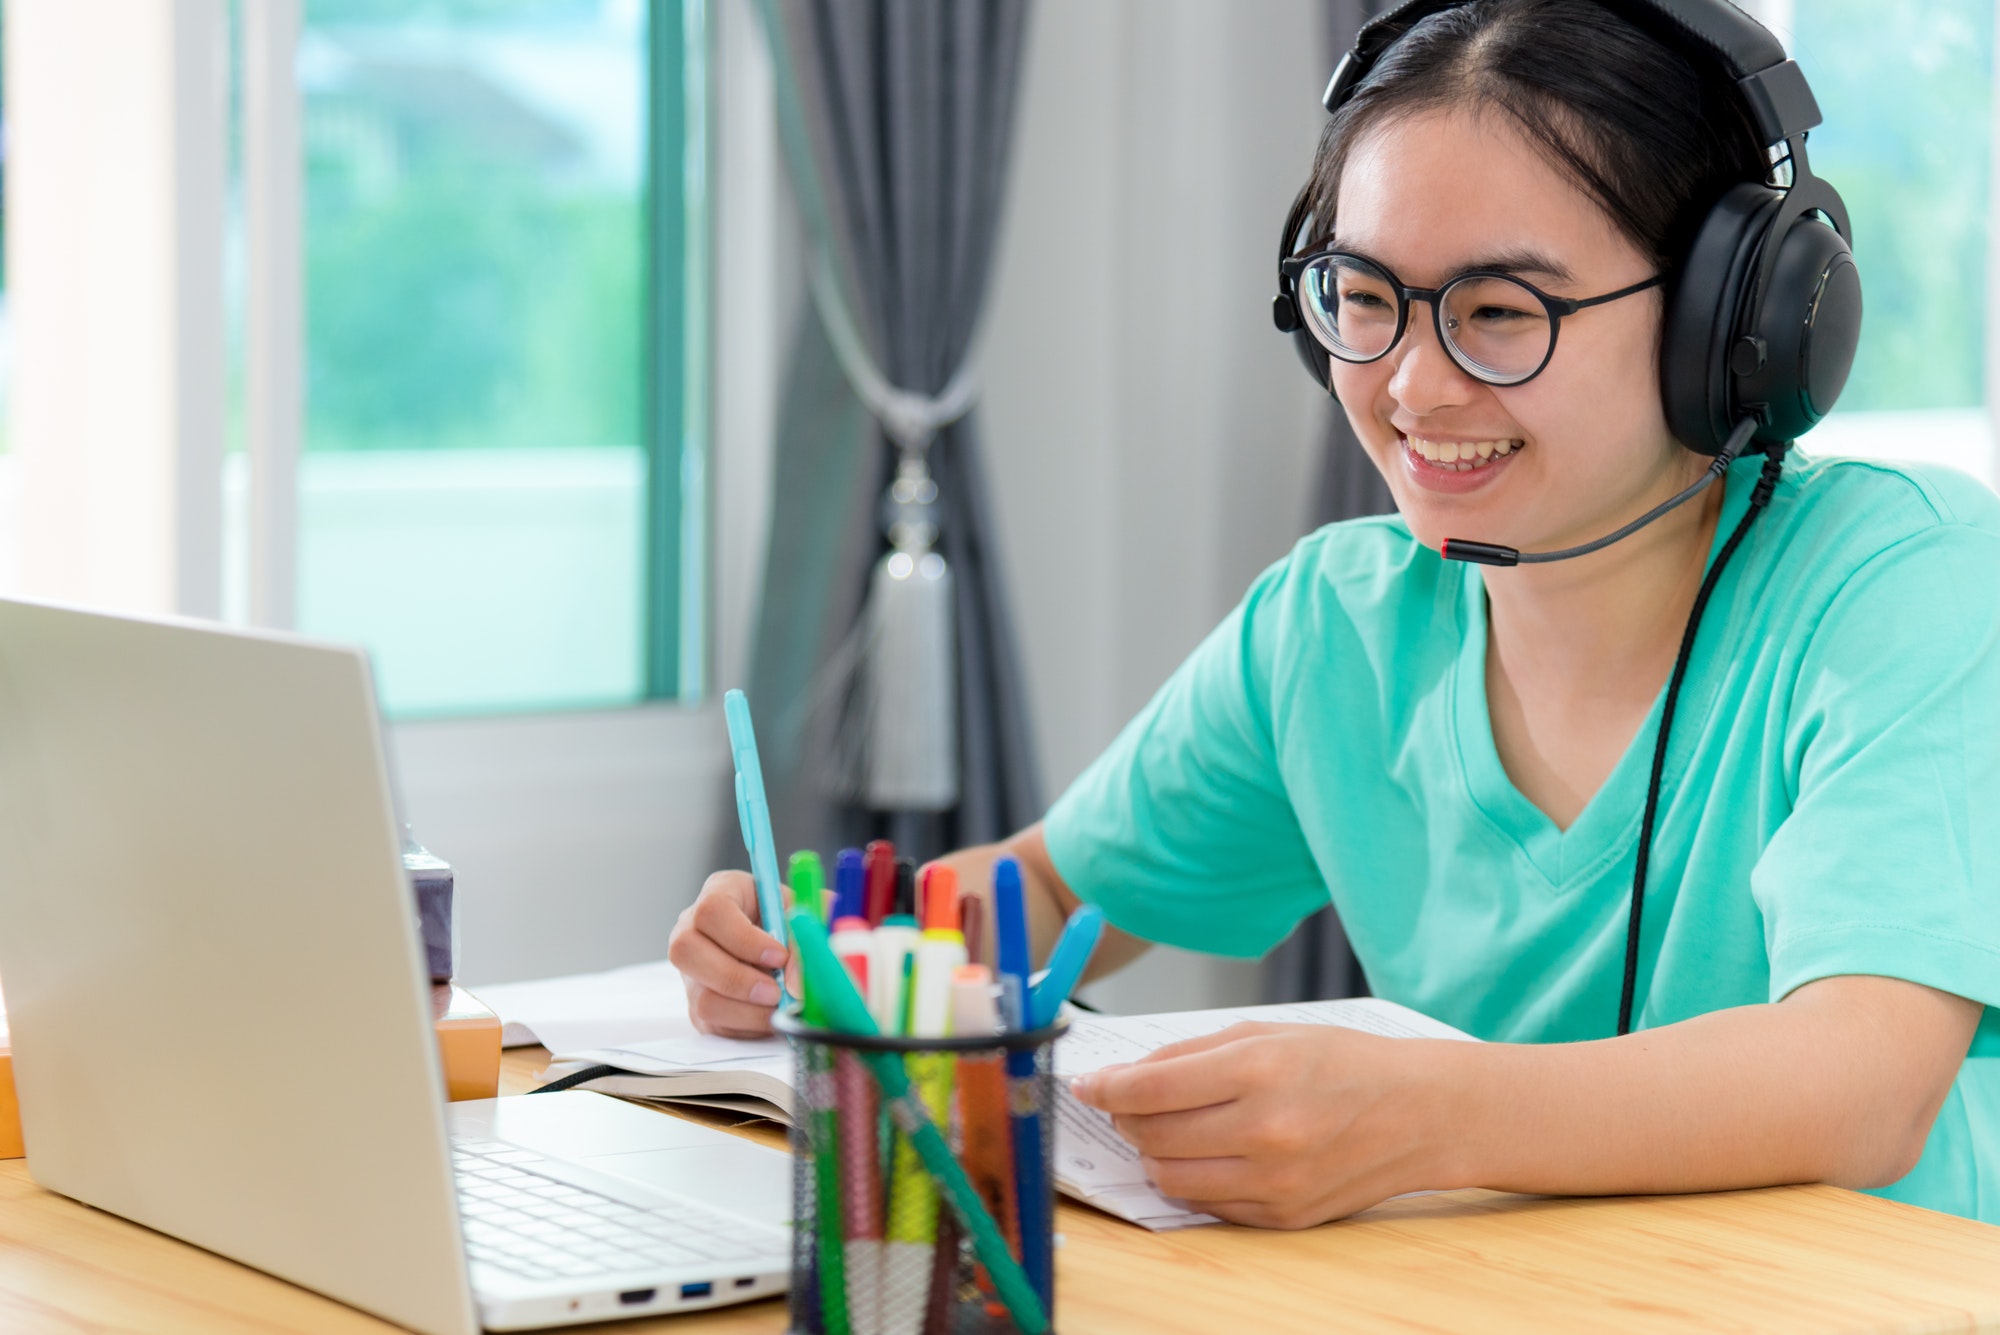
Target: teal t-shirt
{"x":1831,"y":801}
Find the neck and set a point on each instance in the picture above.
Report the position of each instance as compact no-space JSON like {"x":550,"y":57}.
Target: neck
{"x":1610,"y":622}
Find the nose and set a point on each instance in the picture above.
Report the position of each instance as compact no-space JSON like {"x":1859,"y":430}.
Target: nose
{"x":1426,"y":379}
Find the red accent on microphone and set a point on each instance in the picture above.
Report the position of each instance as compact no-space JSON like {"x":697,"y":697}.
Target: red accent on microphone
{"x":1480,"y":553}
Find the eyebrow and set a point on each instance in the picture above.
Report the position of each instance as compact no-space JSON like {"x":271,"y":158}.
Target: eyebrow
{"x":1521,"y":261}
{"x":1524,"y":262}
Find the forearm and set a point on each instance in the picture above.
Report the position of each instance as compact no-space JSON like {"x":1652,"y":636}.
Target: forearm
{"x":1840,"y":1083}
{"x":1049,"y":900}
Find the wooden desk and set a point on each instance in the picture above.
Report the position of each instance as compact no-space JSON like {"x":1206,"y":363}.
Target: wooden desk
{"x":1806,"y":1259}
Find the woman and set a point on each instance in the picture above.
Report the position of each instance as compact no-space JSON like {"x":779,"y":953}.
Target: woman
{"x":1459,"y":755}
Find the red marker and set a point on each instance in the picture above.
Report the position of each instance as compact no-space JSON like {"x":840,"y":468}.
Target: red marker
{"x":972,"y":922}
{"x":879,"y":867}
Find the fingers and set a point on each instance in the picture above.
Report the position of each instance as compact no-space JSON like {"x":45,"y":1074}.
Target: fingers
{"x":1203,"y":1180}
{"x":718,"y":1015}
{"x":1194,"y":1073}
{"x":726,"y":959}
{"x":1196,"y":1134}
{"x":1147,"y":1087}
{"x":726,"y":912}
{"x":725,"y":976}
{"x":1188,"y":1047}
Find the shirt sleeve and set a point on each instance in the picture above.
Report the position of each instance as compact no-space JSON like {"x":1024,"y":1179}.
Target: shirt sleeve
{"x":1182,"y":831}
{"x":1889,"y":861}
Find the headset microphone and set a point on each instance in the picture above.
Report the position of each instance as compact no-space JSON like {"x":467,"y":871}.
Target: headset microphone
{"x":1492,"y":554}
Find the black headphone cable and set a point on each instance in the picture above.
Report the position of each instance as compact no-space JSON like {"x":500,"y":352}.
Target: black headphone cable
{"x":1774,"y":462}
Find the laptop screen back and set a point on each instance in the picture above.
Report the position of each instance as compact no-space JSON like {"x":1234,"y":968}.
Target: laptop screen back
{"x":218,"y":1004}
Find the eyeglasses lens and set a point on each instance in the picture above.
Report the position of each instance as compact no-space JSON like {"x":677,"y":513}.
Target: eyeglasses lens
{"x":1499,"y":330}
{"x":1351,"y":305}
{"x":1496,"y":328}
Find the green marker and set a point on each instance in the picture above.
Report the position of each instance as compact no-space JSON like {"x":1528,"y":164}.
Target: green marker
{"x":807,"y":878}
{"x":844,"y":1011}
{"x":826,"y":1160}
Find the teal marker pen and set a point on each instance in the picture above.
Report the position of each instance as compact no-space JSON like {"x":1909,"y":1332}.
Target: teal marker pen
{"x":755,"y":814}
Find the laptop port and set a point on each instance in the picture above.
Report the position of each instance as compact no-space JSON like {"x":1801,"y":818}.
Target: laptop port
{"x":701,"y":1290}
{"x":633,"y":1297}
{"x":746,"y":1281}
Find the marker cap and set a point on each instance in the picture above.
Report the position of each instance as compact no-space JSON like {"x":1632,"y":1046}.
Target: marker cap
{"x":849,"y":881}
{"x":879,"y":865}
{"x":974,"y":1009}
{"x":940,"y":898}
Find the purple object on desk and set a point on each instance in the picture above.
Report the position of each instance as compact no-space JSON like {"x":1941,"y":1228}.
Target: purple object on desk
{"x":431,"y":881}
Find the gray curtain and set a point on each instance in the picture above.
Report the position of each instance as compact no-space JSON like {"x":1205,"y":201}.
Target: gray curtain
{"x":1316,"y":962}
{"x":897,"y":117}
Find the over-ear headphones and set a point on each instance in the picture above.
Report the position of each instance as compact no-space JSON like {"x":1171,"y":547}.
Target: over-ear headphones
{"x":1764,"y":312}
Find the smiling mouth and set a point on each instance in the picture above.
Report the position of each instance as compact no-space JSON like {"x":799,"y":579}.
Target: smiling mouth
{"x":1461,"y":456}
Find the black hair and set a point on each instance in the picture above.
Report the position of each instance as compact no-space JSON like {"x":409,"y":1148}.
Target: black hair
{"x":1653,"y":132}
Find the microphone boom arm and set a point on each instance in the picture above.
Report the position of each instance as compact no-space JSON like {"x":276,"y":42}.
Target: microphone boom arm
{"x":1492,"y":554}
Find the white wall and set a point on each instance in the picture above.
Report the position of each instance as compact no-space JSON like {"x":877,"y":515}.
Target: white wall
{"x":114,"y":246}
{"x":1152,"y":437}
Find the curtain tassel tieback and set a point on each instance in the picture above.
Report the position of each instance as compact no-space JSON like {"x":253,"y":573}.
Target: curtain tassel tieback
{"x":899,"y":730}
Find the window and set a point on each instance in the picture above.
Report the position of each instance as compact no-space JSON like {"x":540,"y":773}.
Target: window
{"x":1906,"y":89}
{"x":500,"y":484}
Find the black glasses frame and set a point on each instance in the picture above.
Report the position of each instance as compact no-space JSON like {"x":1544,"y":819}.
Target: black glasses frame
{"x":1294,"y":266}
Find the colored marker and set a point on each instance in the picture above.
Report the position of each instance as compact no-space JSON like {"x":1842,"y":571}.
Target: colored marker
{"x":982,"y":1105}
{"x":849,"y":883}
{"x":854,"y":1091}
{"x":940,"y":899}
{"x":1030,"y":1170}
{"x":829,"y":1202}
{"x":754,"y":814}
{"x":807,"y":879}
{"x":972,"y":922}
{"x":913,"y":1200}
{"x":879,"y":864}
{"x":845,"y":1011}
{"x":1079,"y":938}
{"x":895,"y":942}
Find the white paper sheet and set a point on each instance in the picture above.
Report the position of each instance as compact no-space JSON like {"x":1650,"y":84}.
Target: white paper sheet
{"x":1094,"y":1162}
{"x":694,"y":1052}
{"x":636,"y":1004}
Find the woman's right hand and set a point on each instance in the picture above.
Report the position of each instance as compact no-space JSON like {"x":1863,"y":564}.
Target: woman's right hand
{"x":726,"y":959}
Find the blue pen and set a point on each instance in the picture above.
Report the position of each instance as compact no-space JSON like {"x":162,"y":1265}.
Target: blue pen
{"x":1079,"y":937}
{"x":755,"y":814}
{"x":1031,"y":1183}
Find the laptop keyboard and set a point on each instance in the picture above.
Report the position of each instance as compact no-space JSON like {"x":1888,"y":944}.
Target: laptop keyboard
{"x":531,"y":1224}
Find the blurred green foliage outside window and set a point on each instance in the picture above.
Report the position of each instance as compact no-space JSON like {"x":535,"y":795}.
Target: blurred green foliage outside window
{"x":1907,"y":90}
{"x":488,"y":462}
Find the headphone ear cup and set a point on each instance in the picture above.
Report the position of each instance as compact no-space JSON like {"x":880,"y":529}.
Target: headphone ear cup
{"x":1810,"y":325}
{"x":1704,"y":314}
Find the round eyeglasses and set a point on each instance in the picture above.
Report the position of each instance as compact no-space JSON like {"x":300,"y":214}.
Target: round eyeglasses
{"x":1498,"y":328}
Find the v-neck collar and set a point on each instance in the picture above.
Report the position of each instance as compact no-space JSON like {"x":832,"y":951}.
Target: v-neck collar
{"x":1604,"y":830}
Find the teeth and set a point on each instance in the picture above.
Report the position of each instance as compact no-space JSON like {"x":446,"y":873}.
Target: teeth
{"x":1462,"y":456}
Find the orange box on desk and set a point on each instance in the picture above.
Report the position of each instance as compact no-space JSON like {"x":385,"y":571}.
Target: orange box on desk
{"x":468,"y":1037}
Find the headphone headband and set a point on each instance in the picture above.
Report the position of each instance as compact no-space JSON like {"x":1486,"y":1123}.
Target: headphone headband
{"x":1764,"y":315}
{"x":1772,"y":87}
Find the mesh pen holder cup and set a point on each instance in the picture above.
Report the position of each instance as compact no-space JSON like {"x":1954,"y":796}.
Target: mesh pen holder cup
{"x":880,"y":1242}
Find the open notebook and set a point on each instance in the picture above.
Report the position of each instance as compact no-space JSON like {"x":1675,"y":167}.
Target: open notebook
{"x":1093,"y":1163}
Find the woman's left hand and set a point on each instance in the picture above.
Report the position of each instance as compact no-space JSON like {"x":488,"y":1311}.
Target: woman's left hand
{"x":1282,"y":1125}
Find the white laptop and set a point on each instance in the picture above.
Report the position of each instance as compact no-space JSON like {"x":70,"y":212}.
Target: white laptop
{"x":221,"y":1019}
